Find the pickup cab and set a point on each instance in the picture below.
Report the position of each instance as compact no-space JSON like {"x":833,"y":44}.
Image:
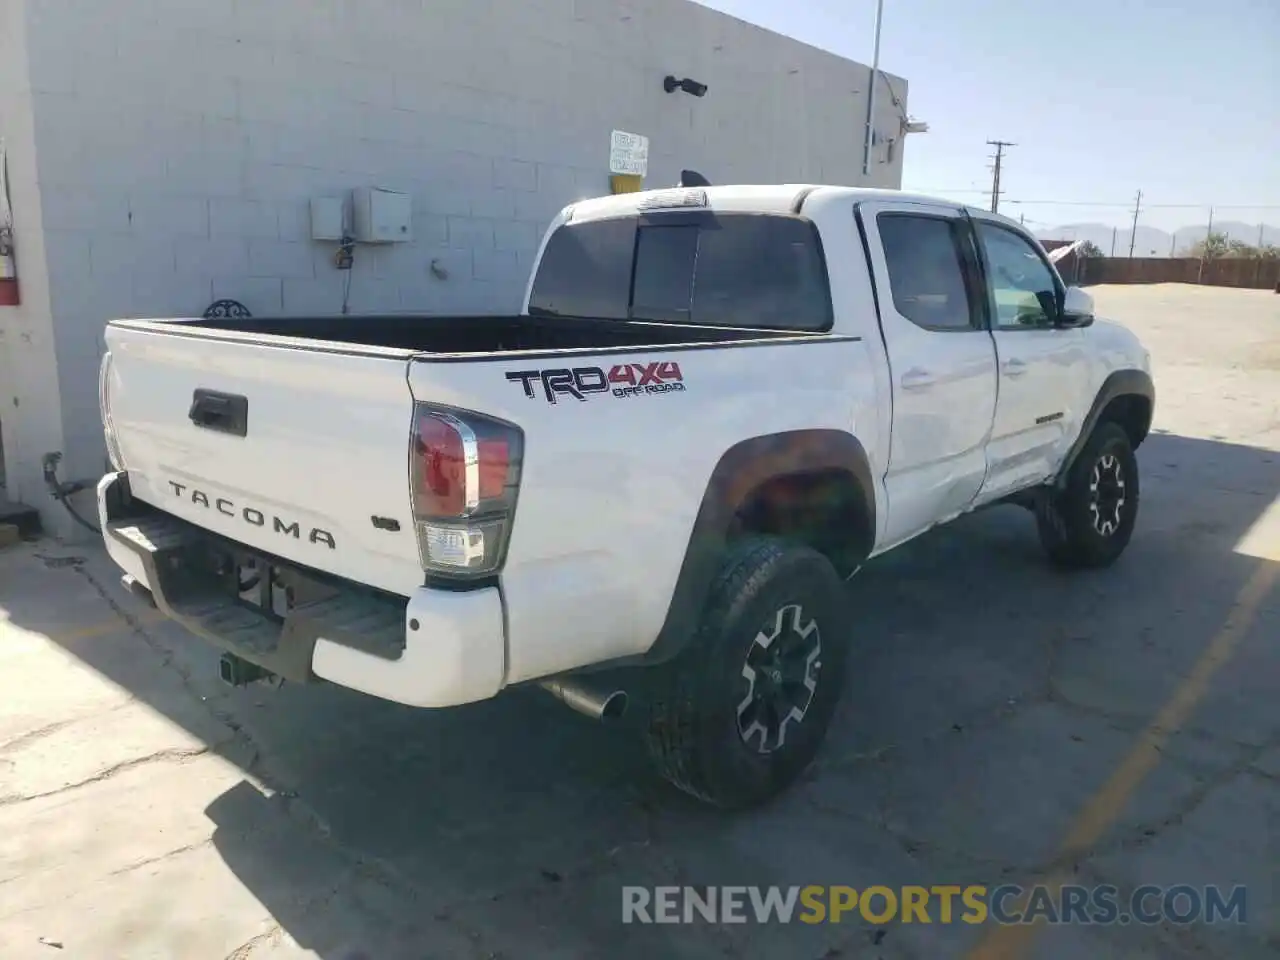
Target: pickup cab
{"x":717,"y":404}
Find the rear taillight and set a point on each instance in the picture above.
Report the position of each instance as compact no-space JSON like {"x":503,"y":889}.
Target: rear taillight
{"x":465,"y":471}
{"x":104,"y":407}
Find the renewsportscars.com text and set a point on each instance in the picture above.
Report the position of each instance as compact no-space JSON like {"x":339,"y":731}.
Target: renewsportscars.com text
{"x":973,"y":904}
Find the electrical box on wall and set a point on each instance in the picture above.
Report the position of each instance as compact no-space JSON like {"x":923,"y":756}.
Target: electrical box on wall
{"x":326,"y":218}
{"x":381,"y":216}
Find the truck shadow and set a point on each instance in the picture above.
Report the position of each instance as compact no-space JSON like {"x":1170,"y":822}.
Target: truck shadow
{"x":508,"y":828}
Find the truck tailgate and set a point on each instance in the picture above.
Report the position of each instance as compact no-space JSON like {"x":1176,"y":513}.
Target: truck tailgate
{"x":297,"y":451}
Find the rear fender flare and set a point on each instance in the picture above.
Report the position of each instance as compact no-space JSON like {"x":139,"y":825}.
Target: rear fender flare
{"x":740,"y":472}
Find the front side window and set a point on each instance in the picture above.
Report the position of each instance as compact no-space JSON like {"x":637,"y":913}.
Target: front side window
{"x":731,"y":270}
{"x":926,"y":273}
{"x":1021,"y":286}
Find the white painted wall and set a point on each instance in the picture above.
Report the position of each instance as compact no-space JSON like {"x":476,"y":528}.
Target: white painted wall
{"x":30,"y":395}
{"x":177,"y":144}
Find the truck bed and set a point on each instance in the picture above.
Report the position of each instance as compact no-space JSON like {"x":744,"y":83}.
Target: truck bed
{"x":474,"y":334}
{"x":290,"y":435}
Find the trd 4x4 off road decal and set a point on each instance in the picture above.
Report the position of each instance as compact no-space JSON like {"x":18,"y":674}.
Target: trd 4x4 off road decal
{"x":622,"y":380}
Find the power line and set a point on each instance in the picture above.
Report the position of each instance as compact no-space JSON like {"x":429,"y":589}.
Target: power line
{"x":1090,"y":203}
{"x":1150,"y":206}
{"x":986,"y":191}
{"x":995,"y":179}
{"x":982,"y":190}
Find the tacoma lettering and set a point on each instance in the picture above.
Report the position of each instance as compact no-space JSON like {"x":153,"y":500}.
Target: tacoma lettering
{"x":252,"y":515}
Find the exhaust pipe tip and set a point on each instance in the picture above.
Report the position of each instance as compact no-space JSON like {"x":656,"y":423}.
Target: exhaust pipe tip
{"x":586,"y":700}
{"x":614,"y":706}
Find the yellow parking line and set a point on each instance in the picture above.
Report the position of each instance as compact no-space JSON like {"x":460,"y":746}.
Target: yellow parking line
{"x":1104,"y":808}
{"x":116,"y":624}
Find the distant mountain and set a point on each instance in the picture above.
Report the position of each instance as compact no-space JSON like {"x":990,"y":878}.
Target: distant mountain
{"x":1157,"y":243}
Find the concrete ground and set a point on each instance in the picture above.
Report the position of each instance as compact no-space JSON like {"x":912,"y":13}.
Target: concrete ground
{"x":1003,"y":723}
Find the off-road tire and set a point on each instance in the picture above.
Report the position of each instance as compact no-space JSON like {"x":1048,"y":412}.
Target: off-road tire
{"x":696,"y":703}
{"x":1076,"y":529}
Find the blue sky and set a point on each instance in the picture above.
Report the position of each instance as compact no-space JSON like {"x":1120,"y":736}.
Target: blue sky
{"x":1178,"y":98}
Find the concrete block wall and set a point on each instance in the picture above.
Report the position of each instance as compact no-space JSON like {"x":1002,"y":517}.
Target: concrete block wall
{"x":177,"y":146}
{"x":30,"y":394}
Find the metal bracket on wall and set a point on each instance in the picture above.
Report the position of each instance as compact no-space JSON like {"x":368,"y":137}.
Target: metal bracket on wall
{"x":345,"y":255}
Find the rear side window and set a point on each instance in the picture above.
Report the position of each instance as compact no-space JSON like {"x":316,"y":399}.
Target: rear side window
{"x":732,"y":270}
{"x":926,"y":274}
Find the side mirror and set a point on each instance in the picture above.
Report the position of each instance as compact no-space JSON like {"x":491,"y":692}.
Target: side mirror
{"x":1077,"y":309}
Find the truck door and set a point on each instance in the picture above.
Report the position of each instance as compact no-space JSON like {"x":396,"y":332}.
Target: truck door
{"x":941,"y":358}
{"x":1043,"y":369}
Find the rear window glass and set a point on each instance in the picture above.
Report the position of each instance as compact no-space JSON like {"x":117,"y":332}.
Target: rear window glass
{"x":732,"y":270}
{"x":666,"y":258}
{"x":586,"y":270}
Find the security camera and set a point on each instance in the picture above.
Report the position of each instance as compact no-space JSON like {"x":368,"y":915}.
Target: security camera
{"x":693,"y":87}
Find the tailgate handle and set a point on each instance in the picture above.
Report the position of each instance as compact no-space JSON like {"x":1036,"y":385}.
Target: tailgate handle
{"x":224,"y":412}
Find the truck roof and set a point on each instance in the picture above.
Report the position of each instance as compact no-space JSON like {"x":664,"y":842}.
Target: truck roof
{"x":764,"y":198}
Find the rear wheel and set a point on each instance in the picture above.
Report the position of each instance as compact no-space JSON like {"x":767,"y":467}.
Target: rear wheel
{"x":1090,"y":523}
{"x":742,"y":712}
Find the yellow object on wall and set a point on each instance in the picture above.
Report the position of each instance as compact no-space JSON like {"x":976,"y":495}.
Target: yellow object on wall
{"x":626,"y":183}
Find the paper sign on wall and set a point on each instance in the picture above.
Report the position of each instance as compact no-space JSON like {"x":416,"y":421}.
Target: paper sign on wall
{"x":628,"y":153}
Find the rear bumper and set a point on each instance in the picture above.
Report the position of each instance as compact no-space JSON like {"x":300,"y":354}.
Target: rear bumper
{"x":435,"y":649}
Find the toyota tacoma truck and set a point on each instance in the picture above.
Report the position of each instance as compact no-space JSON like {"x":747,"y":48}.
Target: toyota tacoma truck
{"x":716,"y":405}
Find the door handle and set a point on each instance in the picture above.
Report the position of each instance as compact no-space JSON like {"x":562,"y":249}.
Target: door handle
{"x":1014,"y":367}
{"x":917,"y":379}
{"x":224,"y":412}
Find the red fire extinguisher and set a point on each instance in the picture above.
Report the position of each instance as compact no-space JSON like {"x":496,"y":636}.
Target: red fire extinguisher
{"x":8,"y":262}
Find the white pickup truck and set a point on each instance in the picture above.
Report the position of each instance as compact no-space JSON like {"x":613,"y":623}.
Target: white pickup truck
{"x":717,"y":404}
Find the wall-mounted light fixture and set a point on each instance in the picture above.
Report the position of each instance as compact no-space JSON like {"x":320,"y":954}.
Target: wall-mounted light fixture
{"x":692,"y":87}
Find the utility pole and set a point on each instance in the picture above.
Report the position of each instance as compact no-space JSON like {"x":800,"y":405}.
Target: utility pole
{"x":1133,"y":232}
{"x":1113,"y":241}
{"x":871,"y":95}
{"x":995,"y":180}
{"x":1205,"y":249}
{"x":1257,"y":265}
{"x":1173,"y":243}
